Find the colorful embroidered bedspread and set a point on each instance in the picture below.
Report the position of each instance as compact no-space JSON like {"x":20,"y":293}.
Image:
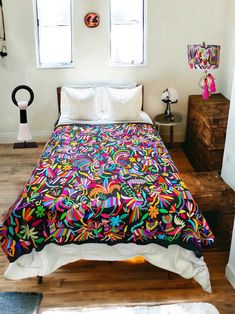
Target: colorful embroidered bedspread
{"x":113,"y":183}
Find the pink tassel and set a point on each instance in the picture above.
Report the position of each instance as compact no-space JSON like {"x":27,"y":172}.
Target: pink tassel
{"x":205,"y":93}
{"x":212,"y":84}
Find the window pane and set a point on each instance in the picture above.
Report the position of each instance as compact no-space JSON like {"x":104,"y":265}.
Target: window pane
{"x":127,"y":31}
{"x":54,"y":33}
{"x":54,"y":12}
{"x":55,"y":45}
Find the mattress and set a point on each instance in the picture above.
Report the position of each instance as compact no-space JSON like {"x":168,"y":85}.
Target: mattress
{"x":137,"y":204}
{"x":64,"y":119}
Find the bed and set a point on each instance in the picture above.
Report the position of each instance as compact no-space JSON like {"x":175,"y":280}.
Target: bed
{"x":105,"y":188}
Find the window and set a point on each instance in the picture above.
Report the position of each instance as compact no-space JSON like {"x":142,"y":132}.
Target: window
{"x":127,"y":32}
{"x":54,"y":33}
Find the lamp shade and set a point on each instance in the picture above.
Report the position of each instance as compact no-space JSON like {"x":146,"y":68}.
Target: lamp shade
{"x":170,"y":95}
{"x":203,"y":57}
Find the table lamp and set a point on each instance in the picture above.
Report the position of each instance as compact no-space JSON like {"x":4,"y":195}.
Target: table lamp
{"x":169,"y":96}
{"x":204,"y":57}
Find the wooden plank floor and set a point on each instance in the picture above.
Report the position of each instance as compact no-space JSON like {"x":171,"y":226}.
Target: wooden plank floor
{"x":92,"y":283}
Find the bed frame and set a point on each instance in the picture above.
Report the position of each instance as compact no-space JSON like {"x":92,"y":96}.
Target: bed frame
{"x":58,"y":91}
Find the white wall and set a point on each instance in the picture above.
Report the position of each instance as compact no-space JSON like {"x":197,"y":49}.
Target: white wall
{"x":228,"y":60}
{"x":172,"y":24}
{"x":228,"y":88}
{"x":228,"y":173}
{"x":228,"y":168}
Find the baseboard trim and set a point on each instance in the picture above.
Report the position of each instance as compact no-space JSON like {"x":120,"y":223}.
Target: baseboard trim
{"x":230,"y":275}
{"x":10,"y":137}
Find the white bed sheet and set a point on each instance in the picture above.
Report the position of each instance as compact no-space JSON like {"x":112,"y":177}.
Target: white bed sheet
{"x":174,"y":258}
{"x":64,"y":119}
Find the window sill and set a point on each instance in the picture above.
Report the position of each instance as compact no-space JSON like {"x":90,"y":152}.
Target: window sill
{"x":128,"y":64}
{"x":55,"y":66}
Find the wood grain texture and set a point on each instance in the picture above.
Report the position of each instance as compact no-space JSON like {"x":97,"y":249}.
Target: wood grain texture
{"x":208,"y":119}
{"x":93,"y":283}
{"x":201,"y":158}
{"x":206,"y":131}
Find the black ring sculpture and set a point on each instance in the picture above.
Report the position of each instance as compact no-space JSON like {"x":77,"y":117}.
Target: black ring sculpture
{"x":15,"y":90}
{"x":23,"y":113}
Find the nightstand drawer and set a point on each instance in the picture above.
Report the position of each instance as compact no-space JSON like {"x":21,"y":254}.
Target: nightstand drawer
{"x":207,"y":119}
{"x":206,"y":131}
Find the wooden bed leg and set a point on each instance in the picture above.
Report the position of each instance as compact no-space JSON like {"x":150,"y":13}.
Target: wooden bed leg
{"x":39,"y":280}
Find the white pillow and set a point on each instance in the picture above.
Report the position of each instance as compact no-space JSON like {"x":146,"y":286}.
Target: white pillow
{"x":82,"y":103}
{"x":99,"y":86}
{"x":122,"y":104}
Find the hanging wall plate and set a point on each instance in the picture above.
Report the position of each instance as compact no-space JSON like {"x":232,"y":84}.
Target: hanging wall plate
{"x":92,"y":20}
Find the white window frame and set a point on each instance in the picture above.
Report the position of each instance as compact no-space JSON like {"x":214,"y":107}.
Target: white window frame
{"x":37,"y":44}
{"x":144,"y":62}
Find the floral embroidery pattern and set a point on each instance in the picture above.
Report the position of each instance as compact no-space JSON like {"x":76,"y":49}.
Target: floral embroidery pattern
{"x":113,"y":183}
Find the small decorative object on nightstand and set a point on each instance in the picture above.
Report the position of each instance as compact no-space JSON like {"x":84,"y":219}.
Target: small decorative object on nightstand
{"x":169,"y":96}
{"x":160,"y":120}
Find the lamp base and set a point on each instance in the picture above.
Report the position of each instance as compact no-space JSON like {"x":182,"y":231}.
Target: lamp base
{"x":168,"y":114}
{"x":207,"y":83}
{"x":25,"y":145}
{"x":169,"y":117}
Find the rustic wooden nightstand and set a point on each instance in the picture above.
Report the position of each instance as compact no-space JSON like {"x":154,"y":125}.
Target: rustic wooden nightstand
{"x":161,"y":120}
{"x":206,"y":131}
